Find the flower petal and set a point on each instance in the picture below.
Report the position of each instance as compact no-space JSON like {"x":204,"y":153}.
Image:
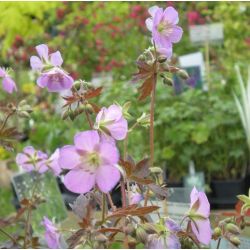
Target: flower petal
{"x":79,"y":181}
{"x":204,"y":233}
{"x":171,"y":15}
{"x":109,"y":153}
{"x":118,"y":129}
{"x":43,"y":51}
{"x":175,"y":37}
{"x":42,"y":80}
{"x":2,"y":72}
{"x":68,"y":157}
{"x":36,"y":63}
{"x":53,"y":162}
{"x":113,"y":113}
{"x":166,"y":51}
{"x":87,"y":140}
{"x":152,"y":10}
{"x":9,"y":85}
{"x":56,"y":59}
{"x":107,"y":176}
{"x":149,"y":24}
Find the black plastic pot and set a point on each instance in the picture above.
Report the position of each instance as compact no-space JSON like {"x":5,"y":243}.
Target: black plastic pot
{"x":224,"y":192}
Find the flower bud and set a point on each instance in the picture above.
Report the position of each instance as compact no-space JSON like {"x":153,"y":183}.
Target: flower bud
{"x":142,"y":58}
{"x":149,"y":228}
{"x":141,"y":234}
{"x":23,"y":114}
{"x":89,"y":108}
{"x":234,"y":240}
{"x":101,"y":238}
{"x":71,"y":115}
{"x":168,"y":81}
{"x":162,"y":59}
{"x":129,"y":229}
{"x":77,"y":85}
{"x":144,"y":120}
{"x":217,"y":232}
{"x":232,"y":228}
{"x":65,"y":115}
{"x":183,"y":74}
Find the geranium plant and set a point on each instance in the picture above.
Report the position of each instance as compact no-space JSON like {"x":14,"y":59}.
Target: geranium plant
{"x":93,"y":164}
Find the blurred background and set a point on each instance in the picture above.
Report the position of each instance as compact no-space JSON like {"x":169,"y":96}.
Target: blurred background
{"x":199,"y":138}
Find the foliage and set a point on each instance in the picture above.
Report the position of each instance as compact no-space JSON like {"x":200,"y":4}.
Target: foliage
{"x":24,"y":19}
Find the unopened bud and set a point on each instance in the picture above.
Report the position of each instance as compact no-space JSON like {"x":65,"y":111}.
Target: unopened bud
{"x":101,"y":238}
{"x":228,"y":220}
{"x":232,"y":228}
{"x":129,"y":229}
{"x":168,"y":81}
{"x":144,"y":120}
{"x":142,"y":58}
{"x":217,"y":232}
{"x":71,"y":115}
{"x":162,"y":59}
{"x":183,"y":74}
{"x":22,"y":103}
{"x":235,"y":240}
{"x":89,"y":108}
{"x":77,"y":85}
{"x":149,"y":228}
{"x":24,"y":114}
{"x":132,"y":244}
{"x":141,"y":234}
{"x":65,"y":115}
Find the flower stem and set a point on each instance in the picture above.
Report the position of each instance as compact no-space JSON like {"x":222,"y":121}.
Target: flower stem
{"x":29,"y":213}
{"x":218,"y":244}
{"x":151,"y":131}
{"x":111,"y":202}
{"x":89,"y":120}
{"x":6,"y":119}
{"x":8,"y":235}
{"x":103,"y":207}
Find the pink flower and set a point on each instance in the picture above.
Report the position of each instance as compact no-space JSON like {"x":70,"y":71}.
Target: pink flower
{"x":110,"y":122}
{"x":135,"y":198}
{"x":8,"y":84}
{"x":162,"y":24}
{"x":55,"y":80}
{"x":32,"y":159}
{"x":90,"y":161}
{"x":52,"y":75}
{"x":52,"y":163}
{"x":199,"y":216}
{"x":52,"y":236}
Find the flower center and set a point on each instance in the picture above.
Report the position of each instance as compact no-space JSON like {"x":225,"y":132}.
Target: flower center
{"x":93,"y":160}
{"x":165,"y":28}
{"x":56,"y":78}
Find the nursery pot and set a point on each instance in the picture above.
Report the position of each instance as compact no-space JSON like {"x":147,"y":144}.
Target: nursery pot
{"x":224,"y":192}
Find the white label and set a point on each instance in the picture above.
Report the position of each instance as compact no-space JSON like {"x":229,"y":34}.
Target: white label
{"x":208,"y":32}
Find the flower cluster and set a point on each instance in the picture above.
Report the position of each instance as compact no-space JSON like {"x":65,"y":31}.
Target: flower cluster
{"x":92,"y":161}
